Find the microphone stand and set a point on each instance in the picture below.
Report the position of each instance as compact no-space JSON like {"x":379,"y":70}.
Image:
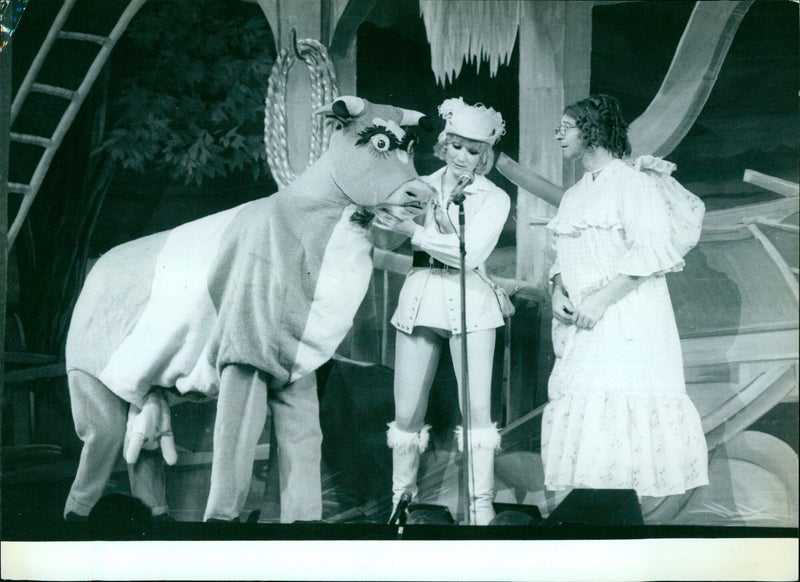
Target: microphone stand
{"x":401,"y":514}
{"x":467,"y":473}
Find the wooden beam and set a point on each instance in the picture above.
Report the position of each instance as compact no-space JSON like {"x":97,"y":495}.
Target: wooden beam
{"x":529,"y":181}
{"x":344,"y":34}
{"x":5,"y":129}
{"x":774,"y":210}
{"x":756,"y":346}
{"x":779,"y":186}
{"x":555,"y":41}
{"x":690,"y":78}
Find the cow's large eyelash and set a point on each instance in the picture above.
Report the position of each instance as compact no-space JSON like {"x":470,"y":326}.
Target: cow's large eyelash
{"x":380,"y":154}
{"x":365,"y":134}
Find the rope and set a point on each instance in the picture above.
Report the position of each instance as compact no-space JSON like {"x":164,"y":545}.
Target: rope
{"x":324,"y":89}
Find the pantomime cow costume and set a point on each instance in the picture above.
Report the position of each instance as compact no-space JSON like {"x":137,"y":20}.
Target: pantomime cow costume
{"x":236,"y":306}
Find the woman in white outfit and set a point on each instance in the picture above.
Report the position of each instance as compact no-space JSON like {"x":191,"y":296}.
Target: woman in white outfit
{"x":429,"y":308}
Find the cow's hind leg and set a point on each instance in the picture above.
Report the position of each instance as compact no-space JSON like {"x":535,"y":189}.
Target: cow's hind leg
{"x":295,"y":413}
{"x":100,"y":418}
{"x":241,"y":414}
{"x":149,"y":481}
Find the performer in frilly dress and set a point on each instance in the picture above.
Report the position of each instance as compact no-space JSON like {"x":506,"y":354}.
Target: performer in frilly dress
{"x":618,"y":415}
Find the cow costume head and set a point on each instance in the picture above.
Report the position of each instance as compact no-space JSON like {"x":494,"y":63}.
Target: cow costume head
{"x":384,"y":138}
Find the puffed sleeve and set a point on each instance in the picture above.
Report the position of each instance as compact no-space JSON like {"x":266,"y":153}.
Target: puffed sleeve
{"x":646,"y":227}
{"x":484,"y":221}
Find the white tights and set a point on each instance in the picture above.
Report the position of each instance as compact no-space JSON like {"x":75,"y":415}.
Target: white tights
{"x":417,"y":357}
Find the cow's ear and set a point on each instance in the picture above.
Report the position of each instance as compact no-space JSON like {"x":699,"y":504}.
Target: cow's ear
{"x":344,"y":107}
{"x":343,"y":110}
{"x":340,"y":110}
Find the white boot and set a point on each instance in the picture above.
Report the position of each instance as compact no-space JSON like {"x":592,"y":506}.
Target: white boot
{"x":483,"y":442}
{"x":407,"y":447}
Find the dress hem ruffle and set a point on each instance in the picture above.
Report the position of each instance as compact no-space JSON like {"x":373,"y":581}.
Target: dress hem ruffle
{"x":654,"y":444}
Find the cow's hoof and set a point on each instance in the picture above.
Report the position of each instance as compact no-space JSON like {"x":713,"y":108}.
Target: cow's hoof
{"x":72,"y":516}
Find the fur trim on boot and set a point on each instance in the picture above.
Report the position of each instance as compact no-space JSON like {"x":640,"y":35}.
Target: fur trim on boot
{"x":401,"y":440}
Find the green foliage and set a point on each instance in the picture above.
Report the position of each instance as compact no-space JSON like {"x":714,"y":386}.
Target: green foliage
{"x":192,"y":102}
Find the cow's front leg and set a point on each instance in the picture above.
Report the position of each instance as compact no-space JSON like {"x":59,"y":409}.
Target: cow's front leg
{"x":241,"y":414}
{"x":295,"y":413}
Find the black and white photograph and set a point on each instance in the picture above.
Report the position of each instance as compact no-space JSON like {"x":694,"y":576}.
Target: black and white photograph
{"x":399,"y":289}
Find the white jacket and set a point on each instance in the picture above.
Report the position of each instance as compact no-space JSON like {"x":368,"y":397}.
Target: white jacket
{"x":431,"y":297}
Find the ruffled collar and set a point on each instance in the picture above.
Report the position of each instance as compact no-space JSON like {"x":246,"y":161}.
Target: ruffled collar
{"x":591,"y":202}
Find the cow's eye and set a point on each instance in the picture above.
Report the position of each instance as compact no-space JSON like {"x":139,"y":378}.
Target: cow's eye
{"x":381,"y":142}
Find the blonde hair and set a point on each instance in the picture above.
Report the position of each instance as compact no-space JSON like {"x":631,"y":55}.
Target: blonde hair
{"x":487,"y":155}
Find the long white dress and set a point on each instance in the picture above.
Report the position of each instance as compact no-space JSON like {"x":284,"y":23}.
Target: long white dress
{"x":618,"y":415}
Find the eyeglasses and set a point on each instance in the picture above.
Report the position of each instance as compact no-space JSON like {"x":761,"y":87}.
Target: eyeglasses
{"x":563,"y":129}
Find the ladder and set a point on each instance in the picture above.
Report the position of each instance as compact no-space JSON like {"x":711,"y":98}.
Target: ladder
{"x":75,"y":98}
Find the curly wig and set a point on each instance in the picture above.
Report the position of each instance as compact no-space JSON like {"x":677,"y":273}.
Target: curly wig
{"x":599,"y":118}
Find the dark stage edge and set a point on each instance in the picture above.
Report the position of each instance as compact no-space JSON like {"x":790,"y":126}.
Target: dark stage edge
{"x":44,"y":530}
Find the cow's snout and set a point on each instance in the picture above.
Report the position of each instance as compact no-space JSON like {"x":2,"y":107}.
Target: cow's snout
{"x":414,"y":193}
{"x":408,"y":200}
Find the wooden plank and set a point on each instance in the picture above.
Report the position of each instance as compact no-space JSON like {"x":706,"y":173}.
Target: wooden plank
{"x":53,"y":90}
{"x":778,"y":345}
{"x":82,"y":36}
{"x":28,"y":358}
{"x":529,"y":181}
{"x":690,"y":78}
{"x":776,"y":210}
{"x":192,"y":458}
{"x":771,"y":183}
{"x":772,"y":389}
{"x":17,"y":188}
{"x":5,"y":127}
{"x":740,"y":397}
{"x":37,"y":373}
{"x":37,"y":140}
{"x":777,"y":258}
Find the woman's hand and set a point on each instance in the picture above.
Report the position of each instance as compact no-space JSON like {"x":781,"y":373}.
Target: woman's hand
{"x":591,"y":309}
{"x":563,"y":310}
{"x":390,"y":222}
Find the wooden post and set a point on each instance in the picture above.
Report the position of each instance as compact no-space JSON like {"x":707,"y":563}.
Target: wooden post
{"x":306,"y":17}
{"x":344,"y":63}
{"x":555,"y":59}
{"x":5,"y":122}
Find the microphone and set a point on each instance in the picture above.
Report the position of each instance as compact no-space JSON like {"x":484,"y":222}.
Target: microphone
{"x":402,"y":505}
{"x":457,"y":195}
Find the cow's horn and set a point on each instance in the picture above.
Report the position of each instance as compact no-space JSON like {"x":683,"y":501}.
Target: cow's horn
{"x":344,"y":106}
{"x":411,"y":117}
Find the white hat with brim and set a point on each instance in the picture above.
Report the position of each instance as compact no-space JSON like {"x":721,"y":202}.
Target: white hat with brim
{"x":475,"y":122}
